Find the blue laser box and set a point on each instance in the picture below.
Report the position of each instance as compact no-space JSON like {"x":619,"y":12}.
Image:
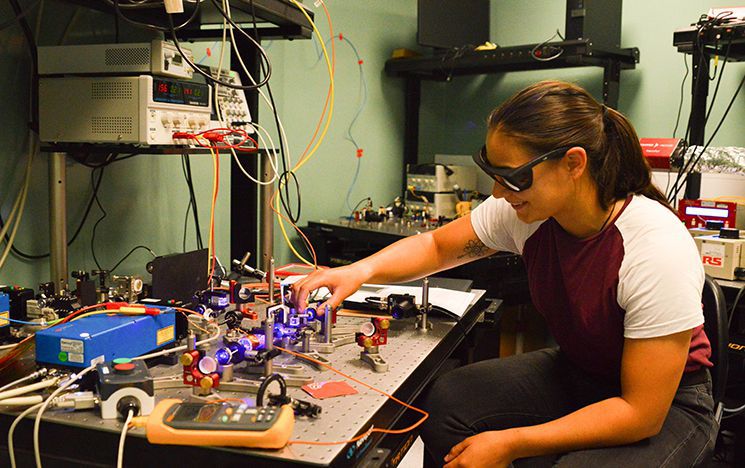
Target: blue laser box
{"x":100,"y":338}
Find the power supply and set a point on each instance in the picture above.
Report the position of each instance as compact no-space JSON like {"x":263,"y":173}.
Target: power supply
{"x":157,"y":57}
{"x":144,"y":109}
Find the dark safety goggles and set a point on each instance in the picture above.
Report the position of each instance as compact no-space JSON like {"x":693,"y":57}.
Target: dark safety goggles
{"x":515,"y":179}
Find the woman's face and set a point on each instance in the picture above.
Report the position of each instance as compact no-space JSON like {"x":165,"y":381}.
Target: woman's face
{"x":552,"y":188}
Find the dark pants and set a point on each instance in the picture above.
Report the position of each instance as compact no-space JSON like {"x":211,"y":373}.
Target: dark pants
{"x":537,"y":387}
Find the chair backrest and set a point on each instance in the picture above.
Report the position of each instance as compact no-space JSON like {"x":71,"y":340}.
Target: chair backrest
{"x":716,"y":328}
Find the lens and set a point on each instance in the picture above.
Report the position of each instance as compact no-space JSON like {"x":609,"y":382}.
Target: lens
{"x":522,"y":180}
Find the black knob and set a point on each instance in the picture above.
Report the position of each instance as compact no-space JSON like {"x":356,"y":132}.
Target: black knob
{"x":729,"y":233}
{"x":714,"y":224}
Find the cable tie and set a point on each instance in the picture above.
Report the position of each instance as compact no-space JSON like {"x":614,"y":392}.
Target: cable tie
{"x":360,"y":61}
{"x":174,"y":6}
{"x":214,"y":136}
{"x":360,"y":151}
{"x":341,"y":36}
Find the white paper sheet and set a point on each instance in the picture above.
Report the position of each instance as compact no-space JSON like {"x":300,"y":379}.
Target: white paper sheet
{"x":453,"y":301}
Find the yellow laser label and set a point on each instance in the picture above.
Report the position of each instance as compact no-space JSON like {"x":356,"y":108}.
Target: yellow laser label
{"x":165,"y":335}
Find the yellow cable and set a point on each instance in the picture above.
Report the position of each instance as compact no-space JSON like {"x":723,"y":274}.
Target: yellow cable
{"x":320,"y":139}
{"x":287,"y":239}
{"x":103,"y":312}
{"x":213,"y":202}
{"x":17,"y":212}
{"x":331,"y":86}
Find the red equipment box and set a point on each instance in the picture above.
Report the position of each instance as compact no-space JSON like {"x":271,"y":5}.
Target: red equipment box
{"x":695,"y":213}
{"x":661,"y":153}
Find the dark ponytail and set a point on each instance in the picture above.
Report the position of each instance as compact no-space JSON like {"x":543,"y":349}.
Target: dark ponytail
{"x":552,"y":114}
{"x":623,"y":170}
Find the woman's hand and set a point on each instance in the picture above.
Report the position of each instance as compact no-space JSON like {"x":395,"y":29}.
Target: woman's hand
{"x":492,"y":449}
{"x":341,"y":282}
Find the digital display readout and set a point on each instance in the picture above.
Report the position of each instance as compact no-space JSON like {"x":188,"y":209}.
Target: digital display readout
{"x":195,"y":413}
{"x":179,"y":92}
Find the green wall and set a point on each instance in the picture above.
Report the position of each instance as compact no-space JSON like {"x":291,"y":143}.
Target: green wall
{"x":146,"y":196}
{"x":649,"y":95}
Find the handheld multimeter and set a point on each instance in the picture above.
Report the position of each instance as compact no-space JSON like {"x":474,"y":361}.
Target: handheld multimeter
{"x":224,"y":424}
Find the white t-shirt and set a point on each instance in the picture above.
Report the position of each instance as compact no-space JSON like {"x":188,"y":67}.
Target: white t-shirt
{"x":641,"y":277}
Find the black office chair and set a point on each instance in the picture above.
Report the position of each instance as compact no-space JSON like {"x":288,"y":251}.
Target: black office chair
{"x":716,"y":328}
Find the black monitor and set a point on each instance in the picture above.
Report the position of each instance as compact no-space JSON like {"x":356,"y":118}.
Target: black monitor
{"x":444,"y":24}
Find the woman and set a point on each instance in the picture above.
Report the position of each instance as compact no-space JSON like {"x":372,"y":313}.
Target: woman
{"x":615,"y":275}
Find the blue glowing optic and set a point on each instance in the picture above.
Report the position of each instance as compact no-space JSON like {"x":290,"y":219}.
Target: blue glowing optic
{"x":223,"y":356}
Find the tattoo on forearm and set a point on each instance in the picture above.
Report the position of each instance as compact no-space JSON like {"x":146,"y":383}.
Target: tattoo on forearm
{"x":474,"y":248}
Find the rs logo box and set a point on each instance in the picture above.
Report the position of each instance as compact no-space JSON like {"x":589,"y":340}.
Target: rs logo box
{"x":722,"y":258}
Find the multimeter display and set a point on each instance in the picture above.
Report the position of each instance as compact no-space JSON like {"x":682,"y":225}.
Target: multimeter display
{"x":211,"y":416}
{"x":195,"y":413}
{"x":180,"y":92}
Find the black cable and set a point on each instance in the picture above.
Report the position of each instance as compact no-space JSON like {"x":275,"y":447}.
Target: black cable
{"x":191,"y":201}
{"x":188,"y":208}
{"x":186,"y":161}
{"x":719,"y":80}
{"x":733,"y":309}
{"x":703,"y":63}
{"x":265,"y":384}
{"x":685,"y":167}
{"x":27,"y":256}
{"x":155,"y":27}
{"x":557,"y":51}
{"x":186,"y":223}
{"x":103,"y":215}
{"x":209,"y":76}
{"x":283,"y":198}
{"x":116,"y":29}
{"x":682,"y":94}
{"x":448,"y":171}
{"x":284,"y":176}
{"x":694,"y":159}
{"x":130,"y":253}
{"x":18,"y":16}
{"x":31,"y":42}
{"x":194,"y":207}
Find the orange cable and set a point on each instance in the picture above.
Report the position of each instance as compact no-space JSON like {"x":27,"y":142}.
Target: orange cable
{"x":294,"y":226}
{"x":313,"y":138}
{"x":186,"y":313}
{"x":372,"y":429}
{"x":328,"y":94}
{"x":80,"y":311}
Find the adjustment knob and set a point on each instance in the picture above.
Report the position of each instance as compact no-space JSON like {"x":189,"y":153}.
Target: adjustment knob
{"x":186,"y":359}
{"x":206,"y":383}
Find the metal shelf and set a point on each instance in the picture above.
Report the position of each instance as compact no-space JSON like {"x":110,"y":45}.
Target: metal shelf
{"x":461,"y":62}
{"x":575,"y":53}
{"x":714,"y":41}
{"x":279,"y":19}
{"x":725,"y":40}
